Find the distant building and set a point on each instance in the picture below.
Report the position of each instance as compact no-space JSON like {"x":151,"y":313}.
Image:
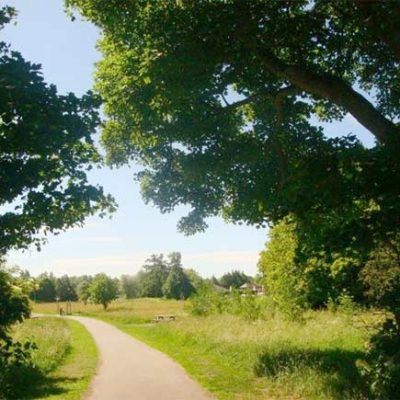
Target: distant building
{"x":254,"y":288}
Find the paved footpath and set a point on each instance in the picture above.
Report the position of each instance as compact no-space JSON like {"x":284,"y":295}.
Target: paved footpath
{"x":129,"y":369}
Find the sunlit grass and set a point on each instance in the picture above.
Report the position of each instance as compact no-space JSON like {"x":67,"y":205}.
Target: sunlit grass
{"x":138,"y":310}
{"x":277,"y":359}
{"x":313,"y":358}
{"x":52,"y":337}
{"x":65,"y":359}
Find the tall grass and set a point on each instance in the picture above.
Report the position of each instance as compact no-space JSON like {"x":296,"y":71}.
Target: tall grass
{"x":236,"y":358}
{"x":65,"y":359}
{"x":52,"y":337}
{"x":134,"y":311}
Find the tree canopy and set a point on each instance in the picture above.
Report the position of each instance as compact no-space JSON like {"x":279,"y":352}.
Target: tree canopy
{"x":103,"y":290}
{"x":46,"y":288}
{"x":177,"y":285}
{"x":14,"y":303}
{"x":154,"y":276}
{"x":215,"y":99}
{"x":46,"y":149}
{"x":234,"y":279}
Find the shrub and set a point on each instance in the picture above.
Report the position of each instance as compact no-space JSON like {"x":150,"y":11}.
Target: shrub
{"x":381,"y":275}
{"x":250,"y":307}
{"x":206,"y":301}
{"x":382,"y":366}
{"x":17,"y":368}
{"x":15,"y":358}
{"x":346,"y":303}
{"x":14,"y":304}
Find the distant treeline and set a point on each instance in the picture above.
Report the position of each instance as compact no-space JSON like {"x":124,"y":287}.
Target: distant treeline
{"x":160,"y":276}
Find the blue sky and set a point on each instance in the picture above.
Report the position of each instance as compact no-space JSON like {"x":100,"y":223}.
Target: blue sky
{"x":66,"y":50}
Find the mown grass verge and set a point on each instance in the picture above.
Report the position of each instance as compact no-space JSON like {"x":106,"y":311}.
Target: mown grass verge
{"x":233,"y":358}
{"x":65,"y":359}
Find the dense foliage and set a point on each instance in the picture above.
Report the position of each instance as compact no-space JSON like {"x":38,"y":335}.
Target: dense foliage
{"x":49,"y":288}
{"x":162,"y":276}
{"x":103,"y":290}
{"x":214,"y":98}
{"x":381,"y":275}
{"x":283,"y":277}
{"x":65,"y":290}
{"x":46,"y":149}
{"x":382,"y":368}
{"x":295,"y":283}
{"x":14,"y":356}
{"x":45,"y":289}
{"x":83,"y":288}
{"x":14,"y":304}
{"x":129,"y":286}
{"x":177,"y":285}
{"x":155,"y":274}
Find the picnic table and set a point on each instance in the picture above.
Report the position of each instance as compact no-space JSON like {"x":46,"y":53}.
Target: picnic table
{"x":164,"y":318}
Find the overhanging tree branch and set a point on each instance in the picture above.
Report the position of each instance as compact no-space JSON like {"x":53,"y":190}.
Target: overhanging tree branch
{"x":335,"y":90}
{"x":277,"y":96}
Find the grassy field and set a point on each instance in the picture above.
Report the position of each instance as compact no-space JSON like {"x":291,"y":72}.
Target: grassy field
{"x":236,"y":359}
{"x":66,"y":358}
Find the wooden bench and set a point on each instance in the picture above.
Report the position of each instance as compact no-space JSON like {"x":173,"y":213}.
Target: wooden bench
{"x":164,"y":318}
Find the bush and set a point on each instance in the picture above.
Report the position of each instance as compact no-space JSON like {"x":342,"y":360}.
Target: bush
{"x":15,"y":358}
{"x":346,"y":303}
{"x":207,"y":301}
{"x":17,"y":368}
{"x":250,"y":307}
{"x":382,"y":366}
{"x":14,"y":304}
{"x":381,"y":275}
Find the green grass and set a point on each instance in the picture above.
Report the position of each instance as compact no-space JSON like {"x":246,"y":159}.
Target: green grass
{"x":314,"y":358}
{"x":132,"y":311}
{"x":66,"y":358}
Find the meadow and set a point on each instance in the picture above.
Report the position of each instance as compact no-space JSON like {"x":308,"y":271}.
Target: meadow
{"x":65,"y":359}
{"x":234,"y":358}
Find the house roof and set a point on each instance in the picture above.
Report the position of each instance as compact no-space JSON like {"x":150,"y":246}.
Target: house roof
{"x":252,"y":286}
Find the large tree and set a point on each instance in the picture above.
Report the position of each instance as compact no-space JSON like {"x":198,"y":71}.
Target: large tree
{"x":103,"y":290}
{"x":46,"y":289}
{"x":155,"y":274}
{"x":177,"y":285}
{"x":46,"y":149}
{"x":215,"y":99}
{"x":65,"y":290}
